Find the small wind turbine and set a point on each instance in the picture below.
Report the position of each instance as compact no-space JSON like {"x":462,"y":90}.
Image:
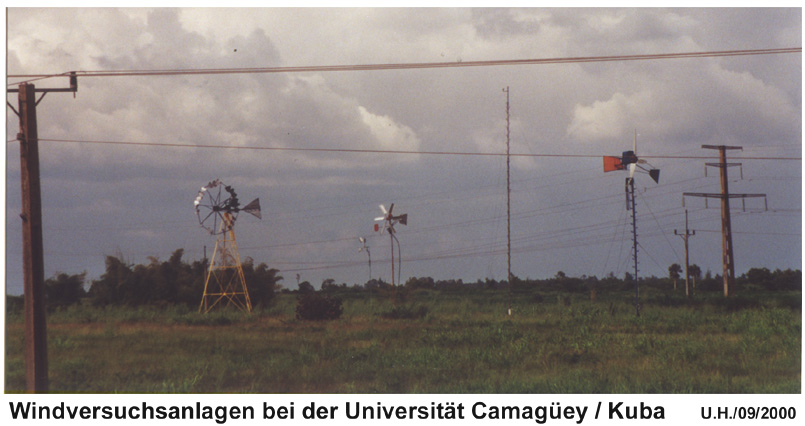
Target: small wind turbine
{"x":629,"y":160}
{"x":389,"y":220}
{"x":365,"y":248}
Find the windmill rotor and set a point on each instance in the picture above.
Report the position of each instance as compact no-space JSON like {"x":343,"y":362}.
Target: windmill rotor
{"x":630,"y":161}
{"x":389,"y":220}
{"x":217,"y":207}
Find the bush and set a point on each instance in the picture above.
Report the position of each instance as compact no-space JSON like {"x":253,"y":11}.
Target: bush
{"x":737,"y":303}
{"x":315,"y":307}
{"x":406,"y":312}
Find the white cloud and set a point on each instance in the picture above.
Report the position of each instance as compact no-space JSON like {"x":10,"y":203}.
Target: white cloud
{"x":388,"y":134}
{"x":612,"y":118}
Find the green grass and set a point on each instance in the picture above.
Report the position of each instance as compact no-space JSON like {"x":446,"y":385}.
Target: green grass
{"x":450,"y":343}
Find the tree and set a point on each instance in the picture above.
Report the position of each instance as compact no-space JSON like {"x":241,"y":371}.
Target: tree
{"x":673,"y":272}
{"x":414,"y":283}
{"x":114,"y":285}
{"x":329,"y":285}
{"x":173,"y":281}
{"x":65,"y":290}
{"x":306,"y":287}
{"x":262,"y":282}
{"x":695,"y":273}
{"x":759,"y":276}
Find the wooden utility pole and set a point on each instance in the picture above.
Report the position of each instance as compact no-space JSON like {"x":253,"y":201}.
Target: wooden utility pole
{"x":36,"y":356}
{"x":688,"y":233}
{"x":728,"y":261}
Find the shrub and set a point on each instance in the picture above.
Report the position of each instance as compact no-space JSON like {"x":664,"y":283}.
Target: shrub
{"x":316,"y":307}
{"x":737,"y":303}
{"x":405,"y":312}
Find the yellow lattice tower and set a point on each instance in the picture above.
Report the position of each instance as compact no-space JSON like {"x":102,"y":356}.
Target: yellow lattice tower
{"x":225,"y":284}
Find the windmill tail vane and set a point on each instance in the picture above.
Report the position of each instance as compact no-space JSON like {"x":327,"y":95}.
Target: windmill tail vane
{"x":253,"y":208}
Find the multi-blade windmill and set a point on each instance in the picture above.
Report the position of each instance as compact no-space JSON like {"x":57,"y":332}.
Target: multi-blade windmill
{"x":389,"y":220}
{"x":217,"y":208}
{"x":629,"y":160}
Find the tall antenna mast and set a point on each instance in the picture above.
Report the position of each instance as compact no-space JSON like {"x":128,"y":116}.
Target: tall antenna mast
{"x":508,"y":208}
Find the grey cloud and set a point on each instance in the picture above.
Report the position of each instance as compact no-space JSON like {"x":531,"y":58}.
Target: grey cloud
{"x":141,"y":197}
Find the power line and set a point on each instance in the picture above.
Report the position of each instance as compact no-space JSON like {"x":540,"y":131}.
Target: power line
{"x":387,"y":151}
{"x":419,"y":65}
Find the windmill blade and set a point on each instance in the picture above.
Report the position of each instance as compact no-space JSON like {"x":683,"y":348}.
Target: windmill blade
{"x":253,"y":208}
{"x":383,"y":209}
{"x":391,"y":207}
{"x":378,"y":219}
{"x":632,"y":168}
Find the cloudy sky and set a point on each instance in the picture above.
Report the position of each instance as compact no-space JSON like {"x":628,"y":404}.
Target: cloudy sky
{"x":136,"y":201}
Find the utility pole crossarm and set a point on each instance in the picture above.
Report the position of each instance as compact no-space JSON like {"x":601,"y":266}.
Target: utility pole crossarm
{"x":716,"y":195}
{"x":72,"y":89}
{"x":722,"y":147}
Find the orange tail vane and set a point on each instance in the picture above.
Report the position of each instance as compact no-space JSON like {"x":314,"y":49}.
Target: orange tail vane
{"x":612,"y":164}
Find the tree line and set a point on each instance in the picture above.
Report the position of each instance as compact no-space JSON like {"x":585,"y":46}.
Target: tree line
{"x":170,"y":282}
{"x":176,"y":281}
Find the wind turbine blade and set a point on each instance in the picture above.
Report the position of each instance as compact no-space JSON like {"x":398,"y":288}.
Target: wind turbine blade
{"x":632,"y":168}
{"x":391,"y":207}
{"x":383,"y":209}
{"x":380,"y":218}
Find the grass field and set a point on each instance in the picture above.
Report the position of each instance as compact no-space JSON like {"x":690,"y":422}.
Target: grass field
{"x":459,"y":342}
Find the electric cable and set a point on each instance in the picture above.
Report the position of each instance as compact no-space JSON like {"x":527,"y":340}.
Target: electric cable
{"x":407,"y":66}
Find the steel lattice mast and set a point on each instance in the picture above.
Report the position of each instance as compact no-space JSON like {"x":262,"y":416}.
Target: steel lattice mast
{"x":225,"y":283}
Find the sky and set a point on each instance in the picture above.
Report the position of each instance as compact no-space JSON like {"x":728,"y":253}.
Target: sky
{"x":135,"y":200}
